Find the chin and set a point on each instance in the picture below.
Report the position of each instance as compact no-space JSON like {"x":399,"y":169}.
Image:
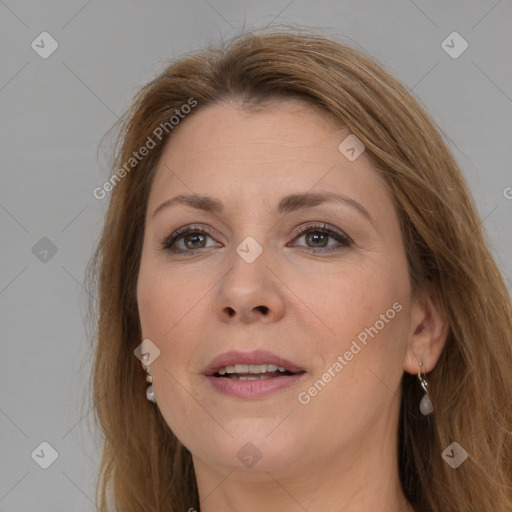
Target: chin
{"x":253,"y":450}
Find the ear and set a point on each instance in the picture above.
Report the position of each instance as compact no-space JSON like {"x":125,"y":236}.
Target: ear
{"x":428,"y":332}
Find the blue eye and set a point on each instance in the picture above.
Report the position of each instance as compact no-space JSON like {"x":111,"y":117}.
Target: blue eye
{"x":194,"y":238}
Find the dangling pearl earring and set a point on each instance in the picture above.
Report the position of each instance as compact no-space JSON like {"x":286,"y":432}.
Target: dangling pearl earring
{"x":150,"y":394}
{"x":426,"y":406}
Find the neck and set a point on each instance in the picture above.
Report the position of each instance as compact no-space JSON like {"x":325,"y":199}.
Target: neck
{"x":365,"y":477}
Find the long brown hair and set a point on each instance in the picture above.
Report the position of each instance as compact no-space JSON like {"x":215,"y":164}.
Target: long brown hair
{"x":144,"y":466}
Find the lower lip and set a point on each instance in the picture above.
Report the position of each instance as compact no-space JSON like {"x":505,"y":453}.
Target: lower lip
{"x":253,"y":388}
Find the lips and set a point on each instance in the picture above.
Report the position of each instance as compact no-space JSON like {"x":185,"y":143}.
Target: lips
{"x":252,"y":375}
{"x":256,"y":362}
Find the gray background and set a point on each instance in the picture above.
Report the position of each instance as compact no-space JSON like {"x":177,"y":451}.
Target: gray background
{"x":54,"y":113}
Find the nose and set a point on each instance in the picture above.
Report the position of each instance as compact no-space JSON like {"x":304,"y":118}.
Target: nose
{"x":250,"y":292}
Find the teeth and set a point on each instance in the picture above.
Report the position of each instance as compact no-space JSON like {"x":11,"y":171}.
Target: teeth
{"x":247,"y":377}
{"x":251,"y":368}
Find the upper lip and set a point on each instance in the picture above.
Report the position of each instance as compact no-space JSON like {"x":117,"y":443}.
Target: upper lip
{"x":255,"y":357}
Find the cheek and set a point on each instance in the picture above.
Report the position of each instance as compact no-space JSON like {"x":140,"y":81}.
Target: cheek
{"x":364,"y":313}
{"x":153,"y":304}
{"x":354,"y":299}
{"x":361,"y":366}
{"x":160,"y":312}
{"x":168,"y":312}
{"x":163,"y":299}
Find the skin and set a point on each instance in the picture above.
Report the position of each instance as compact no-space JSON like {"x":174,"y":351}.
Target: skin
{"x":338,"y":451}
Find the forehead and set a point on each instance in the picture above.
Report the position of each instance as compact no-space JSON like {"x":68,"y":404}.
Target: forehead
{"x":230,"y":131}
{"x":288,"y":147}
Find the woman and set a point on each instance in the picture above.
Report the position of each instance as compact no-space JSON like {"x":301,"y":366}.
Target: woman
{"x":292,"y":254}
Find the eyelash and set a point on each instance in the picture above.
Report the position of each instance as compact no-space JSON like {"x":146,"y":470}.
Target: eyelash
{"x":344,"y":240}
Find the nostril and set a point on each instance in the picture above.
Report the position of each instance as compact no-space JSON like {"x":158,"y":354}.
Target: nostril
{"x":262,"y":309}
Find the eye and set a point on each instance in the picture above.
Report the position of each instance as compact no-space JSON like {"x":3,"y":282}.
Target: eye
{"x":187,"y":239}
{"x":192,"y":238}
{"x":318,"y":238}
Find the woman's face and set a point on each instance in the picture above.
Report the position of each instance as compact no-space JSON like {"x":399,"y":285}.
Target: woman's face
{"x":295,"y":260}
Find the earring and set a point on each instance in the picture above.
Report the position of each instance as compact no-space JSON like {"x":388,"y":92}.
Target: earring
{"x":426,"y":406}
{"x":150,"y":394}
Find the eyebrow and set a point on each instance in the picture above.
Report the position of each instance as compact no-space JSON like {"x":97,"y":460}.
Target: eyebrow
{"x":287,"y":204}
